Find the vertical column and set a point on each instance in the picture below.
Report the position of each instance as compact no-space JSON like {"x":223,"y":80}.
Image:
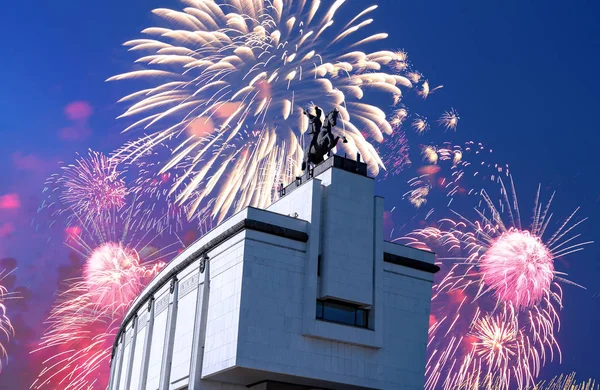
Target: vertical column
{"x":146,"y":353}
{"x":376,"y":314}
{"x":200,"y":324}
{"x":119,"y":361}
{"x":311,"y":264}
{"x":130,"y":362}
{"x":169,"y":335}
{"x":126,"y":355}
{"x":113,"y":367}
{"x":138,"y":350}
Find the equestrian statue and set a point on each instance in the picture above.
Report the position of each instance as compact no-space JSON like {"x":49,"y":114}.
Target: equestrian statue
{"x":322,"y":139}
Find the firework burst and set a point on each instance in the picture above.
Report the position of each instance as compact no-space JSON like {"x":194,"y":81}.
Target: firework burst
{"x":518,"y":267}
{"x":84,"y":321}
{"x":91,"y":188}
{"x":113,"y":275}
{"x":430,"y":154}
{"x":414,"y":76}
{"x":449,"y":119}
{"x":566,"y":382}
{"x":398,"y":117}
{"x":425,"y":90}
{"x":230,"y":82}
{"x":417,"y":196}
{"x":448,"y":172}
{"x":494,"y":265}
{"x":420,"y":124}
{"x":6,"y":329}
{"x":154,"y":207}
{"x":499,"y":341}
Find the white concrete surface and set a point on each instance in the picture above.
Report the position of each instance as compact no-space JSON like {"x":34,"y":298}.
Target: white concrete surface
{"x":251,"y":315}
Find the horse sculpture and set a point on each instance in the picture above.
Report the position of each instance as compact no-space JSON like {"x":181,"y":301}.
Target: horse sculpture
{"x":322,"y":139}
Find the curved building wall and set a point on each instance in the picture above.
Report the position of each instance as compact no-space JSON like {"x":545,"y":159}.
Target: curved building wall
{"x":238,"y":308}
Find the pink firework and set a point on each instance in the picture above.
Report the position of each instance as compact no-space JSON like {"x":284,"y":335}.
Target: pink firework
{"x":81,"y":326}
{"x":6,"y":329}
{"x":155,"y":205}
{"x":92,"y":187}
{"x":494,"y":265}
{"x":394,"y":152}
{"x":113,"y":275}
{"x":518,"y":267}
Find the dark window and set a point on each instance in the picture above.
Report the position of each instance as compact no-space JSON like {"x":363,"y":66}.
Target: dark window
{"x":362,"y":318}
{"x":342,"y":313}
{"x":319,"y":309}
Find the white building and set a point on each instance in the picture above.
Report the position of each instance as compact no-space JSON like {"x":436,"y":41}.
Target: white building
{"x":303,"y":295}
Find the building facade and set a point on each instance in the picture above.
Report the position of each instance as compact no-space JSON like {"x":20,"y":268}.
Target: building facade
{"x":306,"y":294}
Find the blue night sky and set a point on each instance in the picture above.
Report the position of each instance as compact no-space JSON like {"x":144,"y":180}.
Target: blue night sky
{"x":523,"y":76}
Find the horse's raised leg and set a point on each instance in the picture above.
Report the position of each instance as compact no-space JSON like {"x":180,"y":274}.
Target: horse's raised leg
{"x":305,"y":159}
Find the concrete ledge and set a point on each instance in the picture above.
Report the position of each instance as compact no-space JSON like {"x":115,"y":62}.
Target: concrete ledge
{"x":335,"y":161}
{"x":408,"y":251}
{"x":410,"y":263}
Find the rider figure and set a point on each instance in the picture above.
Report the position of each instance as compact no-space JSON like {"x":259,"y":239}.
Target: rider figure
{"x":315,"y":123}
{"x":314,"y":128}
{"x":322,"y":140}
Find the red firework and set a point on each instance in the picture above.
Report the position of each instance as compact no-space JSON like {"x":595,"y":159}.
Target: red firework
{"x":113,"y":275}
{"x":495,"y":257}
{"x":6,"y":329}
{"x":90,"y":189}
{"x":82,"y":324}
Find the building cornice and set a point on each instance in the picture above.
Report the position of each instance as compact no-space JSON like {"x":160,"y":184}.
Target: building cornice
{"x":410,"y":263}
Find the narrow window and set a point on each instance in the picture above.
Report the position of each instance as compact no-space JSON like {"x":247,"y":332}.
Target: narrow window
{"x":319,"y":266}
{"x":342,"y":313}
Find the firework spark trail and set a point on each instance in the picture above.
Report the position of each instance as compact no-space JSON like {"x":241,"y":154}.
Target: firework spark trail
{"x":398,"y":117}
{"x":492,"y":265}
{"x":417,"y":196}
{"x":448,"y":170}
{"x":394,"y":151}
{"x":92,"y":188}
{"x":566,"y":382}
{"x":78,"y":340}
{"x":499,"y":340}
{"x":425,"y":90}
{"x":420,"y":124}
{"x":119,"y":260}
{"x":449,"y":119}
{"x":6,"y":329}
{"x":430,"y":154}
{"x":154,"y":208}
{"x":231,"y":79}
